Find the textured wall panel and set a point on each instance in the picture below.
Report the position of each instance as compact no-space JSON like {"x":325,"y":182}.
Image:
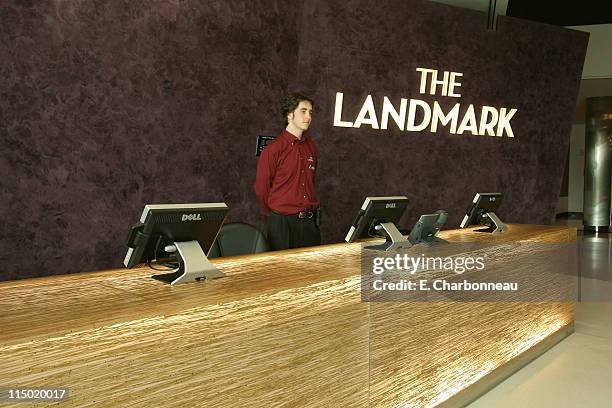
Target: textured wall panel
{"x":105,"y":106}
{"x":363,"y":47}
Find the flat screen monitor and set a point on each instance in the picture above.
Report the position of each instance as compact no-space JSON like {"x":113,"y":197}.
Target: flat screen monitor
{"x":262,"y":141}
{"x":481,"y":211}
{"x":378,"y":218}
{"x":183,"y":231}
{"x":426,"y":229}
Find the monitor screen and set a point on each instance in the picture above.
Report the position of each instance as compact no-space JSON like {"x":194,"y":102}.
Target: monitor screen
{"x":376,"y":216}
{"x":167,"y":228}
{"x":262,"y":141}
{"x":481,"y":211}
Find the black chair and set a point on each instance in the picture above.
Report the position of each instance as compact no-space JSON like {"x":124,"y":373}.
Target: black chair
{"x":238,"y":239}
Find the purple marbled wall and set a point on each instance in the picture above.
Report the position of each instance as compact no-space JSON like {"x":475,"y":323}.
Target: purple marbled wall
{"x":106,"y":106}
{"x":362,"y":47}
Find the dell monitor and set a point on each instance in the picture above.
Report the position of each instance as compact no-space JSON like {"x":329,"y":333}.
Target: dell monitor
{"x":186,"y":231}
{"x":426,"y":229}
{"x":377,"y":218}
{"x":482,"y":212}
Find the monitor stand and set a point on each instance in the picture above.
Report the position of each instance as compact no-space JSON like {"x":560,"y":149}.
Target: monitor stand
{"x":494,"y":223}
{"x":395,"y":240}
{"x":194,"y":265}
{"x":433,"y":240}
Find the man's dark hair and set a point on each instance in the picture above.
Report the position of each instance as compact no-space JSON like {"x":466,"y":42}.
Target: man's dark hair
{"x":291,"y":102}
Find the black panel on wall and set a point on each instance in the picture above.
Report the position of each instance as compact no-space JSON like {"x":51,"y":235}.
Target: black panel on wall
{"x":105,"y":106}
{"x":562,"y":13}
{"x":529,"y":66}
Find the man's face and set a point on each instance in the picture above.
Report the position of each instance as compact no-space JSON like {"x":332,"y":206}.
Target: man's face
{"x":301,"y":116}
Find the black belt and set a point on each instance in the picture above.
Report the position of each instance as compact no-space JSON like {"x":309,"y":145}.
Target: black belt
{"x":301,"y":214}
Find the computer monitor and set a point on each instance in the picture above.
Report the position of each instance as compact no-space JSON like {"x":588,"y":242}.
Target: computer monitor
{"x":426,"y":229}
{"x":377,"y":218}
{"x":189,"y":230}
{"x":482,"y":212}
{"x":262,"y":141}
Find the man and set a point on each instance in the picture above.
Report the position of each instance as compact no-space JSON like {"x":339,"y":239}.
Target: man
{"x":285,"y":182}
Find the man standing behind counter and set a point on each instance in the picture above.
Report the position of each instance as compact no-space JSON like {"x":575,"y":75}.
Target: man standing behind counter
{"x":285,"y":182}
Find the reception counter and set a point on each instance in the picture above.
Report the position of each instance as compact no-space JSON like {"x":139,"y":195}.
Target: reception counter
{"x":287,"y":328}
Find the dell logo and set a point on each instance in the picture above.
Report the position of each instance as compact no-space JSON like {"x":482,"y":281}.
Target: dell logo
{"x":192,"y":217}
{"x":492,"y":199}
{"x":390,"y":205}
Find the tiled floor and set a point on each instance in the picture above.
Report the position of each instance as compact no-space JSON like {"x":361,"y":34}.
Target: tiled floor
{"x":577,"y":372}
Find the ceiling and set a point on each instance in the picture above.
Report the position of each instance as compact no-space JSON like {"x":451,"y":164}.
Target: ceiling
{"x":562,"y":13}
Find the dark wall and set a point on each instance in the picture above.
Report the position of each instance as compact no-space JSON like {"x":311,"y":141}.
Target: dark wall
{"x":106,"y":106}
{"x":362,"y":47}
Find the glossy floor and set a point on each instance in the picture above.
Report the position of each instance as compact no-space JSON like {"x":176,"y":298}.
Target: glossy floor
{"x":577,"y":372}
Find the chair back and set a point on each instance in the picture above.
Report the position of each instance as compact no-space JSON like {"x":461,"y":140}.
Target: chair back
{"x":238,"y":239}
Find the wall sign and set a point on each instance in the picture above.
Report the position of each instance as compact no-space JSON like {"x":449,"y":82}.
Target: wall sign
{"x":483,"y":120}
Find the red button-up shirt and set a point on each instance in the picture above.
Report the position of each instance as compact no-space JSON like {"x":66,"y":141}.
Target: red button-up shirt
{"x":286,"y":170}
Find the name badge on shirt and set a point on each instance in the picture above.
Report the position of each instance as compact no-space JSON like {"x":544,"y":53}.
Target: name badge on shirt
{"x":311,"y":166}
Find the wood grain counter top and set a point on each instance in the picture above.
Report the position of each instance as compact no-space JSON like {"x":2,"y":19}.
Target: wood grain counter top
{"x":286,"y":328}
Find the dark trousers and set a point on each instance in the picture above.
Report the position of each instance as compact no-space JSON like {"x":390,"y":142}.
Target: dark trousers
{"x":289,"y":231}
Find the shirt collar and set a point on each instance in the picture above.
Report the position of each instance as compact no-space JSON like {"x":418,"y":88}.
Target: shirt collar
{"x":291,"y":138}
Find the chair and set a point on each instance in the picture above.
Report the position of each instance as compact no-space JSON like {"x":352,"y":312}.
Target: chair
{"x":238,"y":239}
